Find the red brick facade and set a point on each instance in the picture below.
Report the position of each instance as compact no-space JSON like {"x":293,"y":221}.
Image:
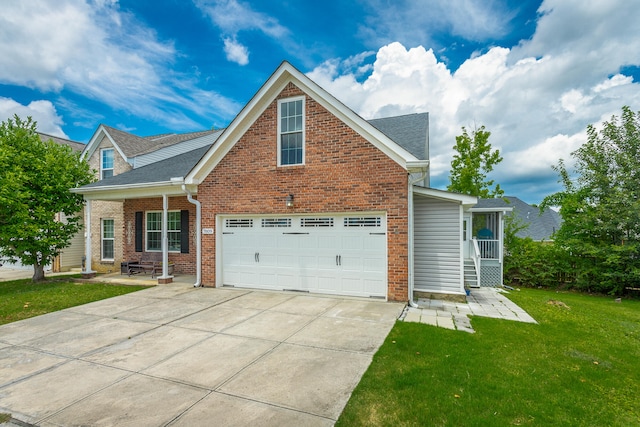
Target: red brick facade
{"x":342,"y":172}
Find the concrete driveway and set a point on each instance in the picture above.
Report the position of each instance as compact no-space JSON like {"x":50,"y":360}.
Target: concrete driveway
{"x":179,"y":356}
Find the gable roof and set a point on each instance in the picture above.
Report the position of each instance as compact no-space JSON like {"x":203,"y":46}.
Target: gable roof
{"x":129,"y":145}
{"x":541,"y":226}
{"x":162,"y":171}
{"x":285,"y":74}
{"x":76,"y":146}
{"x":410,"y":131}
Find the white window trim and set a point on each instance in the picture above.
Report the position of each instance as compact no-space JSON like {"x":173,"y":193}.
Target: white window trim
{"x":304,"y":128}
{"x":102,"y":239}
{"x":146,"y":231}
{"x":102,"y":150}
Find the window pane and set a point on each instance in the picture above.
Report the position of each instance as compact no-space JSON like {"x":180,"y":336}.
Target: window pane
{"x":107,"y":159}
{"x":107,"y":228}
{"x":174,"y":241}
{"x":106,"y":173}
{"x":174,"y":221}
{"x":154,"y":221}
{"x":154,"y":241}
{"x":107,"y":249}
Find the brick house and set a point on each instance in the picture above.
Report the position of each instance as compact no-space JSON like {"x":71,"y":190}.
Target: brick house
{"x":298,"y":193}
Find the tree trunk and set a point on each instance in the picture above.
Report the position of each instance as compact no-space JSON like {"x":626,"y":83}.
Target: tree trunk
{"x":38,"y":273}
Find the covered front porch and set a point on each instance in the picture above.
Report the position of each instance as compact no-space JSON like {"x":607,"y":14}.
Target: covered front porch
{"x":156,"y":235}
{"x":483,"y":244}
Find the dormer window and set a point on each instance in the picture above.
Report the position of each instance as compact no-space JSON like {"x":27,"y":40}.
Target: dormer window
{"x":106,"y":163}
{"x":291,"y":131}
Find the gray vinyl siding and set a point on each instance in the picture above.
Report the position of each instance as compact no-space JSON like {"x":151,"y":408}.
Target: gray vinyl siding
{"x":437,"y":248}
{"x":175,"y":149}
{"x":71,"y":256}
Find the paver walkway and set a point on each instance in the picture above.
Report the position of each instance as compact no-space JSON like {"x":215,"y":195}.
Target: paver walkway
{"x":484,"y":302}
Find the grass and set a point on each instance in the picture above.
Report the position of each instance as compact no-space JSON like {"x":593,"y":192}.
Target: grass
{"x":21,"y":299}
{"x":578,"y":367}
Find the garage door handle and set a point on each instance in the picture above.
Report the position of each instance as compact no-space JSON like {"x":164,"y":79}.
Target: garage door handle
{"x":338,"y":259}
{"x":377,"y":234}
{"x":256,"y":257}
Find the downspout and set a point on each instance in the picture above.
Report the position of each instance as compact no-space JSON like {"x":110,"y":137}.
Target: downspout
{"x":198,"y":236}
{"x":411,"y":182}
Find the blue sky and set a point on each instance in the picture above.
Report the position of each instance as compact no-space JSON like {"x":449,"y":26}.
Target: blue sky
{"x":535,"y":73}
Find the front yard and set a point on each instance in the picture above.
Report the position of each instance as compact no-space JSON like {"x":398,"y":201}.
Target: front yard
{"x":577,"y":367}
{"x":21,"y":299}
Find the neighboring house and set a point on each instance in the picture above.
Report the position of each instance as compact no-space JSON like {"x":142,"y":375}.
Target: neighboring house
{"x":298,"y":193}
{"x":111,"y":152}
{"x":540,"y":226}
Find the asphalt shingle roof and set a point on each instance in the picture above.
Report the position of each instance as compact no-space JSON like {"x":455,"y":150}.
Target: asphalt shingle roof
{"x":76,"y":146}
{"x":162,"y":171}
{"x":132,"y":145}
{"x":541,"y":225}
{"x":410,"y":131}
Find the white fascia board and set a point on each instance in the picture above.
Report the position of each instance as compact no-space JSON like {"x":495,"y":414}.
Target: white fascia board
{"x":418,"y":166}
{"x":285,"y":74}
{"x":496,"y":209}
{"x":463,"y":199}
{"x":93,"y":144}
{"x":134,"y":191}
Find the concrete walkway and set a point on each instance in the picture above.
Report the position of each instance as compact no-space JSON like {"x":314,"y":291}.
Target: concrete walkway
{"x":484,"y":302}
{"x":174,"y":355}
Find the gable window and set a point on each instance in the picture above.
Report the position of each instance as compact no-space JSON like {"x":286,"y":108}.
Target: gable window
{"x":154,"y":231}
{"x":107,"y":238}
{"x":291,"y":131}
{"x":106,"y":163}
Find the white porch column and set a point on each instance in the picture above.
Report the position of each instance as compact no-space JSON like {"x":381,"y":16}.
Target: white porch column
{"x":165,"y":278}
{"x":87,"y":272}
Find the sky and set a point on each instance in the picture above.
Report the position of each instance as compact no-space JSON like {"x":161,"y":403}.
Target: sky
{"x":534,"y":73}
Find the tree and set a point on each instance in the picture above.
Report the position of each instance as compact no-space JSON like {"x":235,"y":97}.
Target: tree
{"x":35,"y":178}
{"x":469,"y":168}
{"x":600,"y":206}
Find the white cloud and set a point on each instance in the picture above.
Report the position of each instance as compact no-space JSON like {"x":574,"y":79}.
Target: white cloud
{"x":43,"y":112}
{"x":236,"y":52}
{"x":233,"y":17}
{"x":413,"y":22}
{"x":536,"y":99}
{"x":95,"y":50}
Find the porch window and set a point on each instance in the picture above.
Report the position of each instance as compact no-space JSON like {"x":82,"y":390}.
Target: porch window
{"x":154,"y":231}
{"x":107,"y":238}
{"x":106,"y":163}
{"x":291,"y":131}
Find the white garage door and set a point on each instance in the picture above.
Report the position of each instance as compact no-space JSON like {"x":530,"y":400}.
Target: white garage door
{"x":342,"y":255}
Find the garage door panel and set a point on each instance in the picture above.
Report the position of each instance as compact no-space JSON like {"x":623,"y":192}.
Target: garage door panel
{"x":343,"y":255}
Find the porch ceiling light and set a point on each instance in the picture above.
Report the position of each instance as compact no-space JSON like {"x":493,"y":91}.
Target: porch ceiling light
{"x":289,"y":201}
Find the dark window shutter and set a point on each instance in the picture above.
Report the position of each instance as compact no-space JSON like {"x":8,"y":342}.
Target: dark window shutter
{"x":139,"y":231}
{"x":184,"y":232}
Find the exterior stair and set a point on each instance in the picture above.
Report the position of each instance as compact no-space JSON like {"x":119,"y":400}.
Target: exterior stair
{"x":470,"y":274}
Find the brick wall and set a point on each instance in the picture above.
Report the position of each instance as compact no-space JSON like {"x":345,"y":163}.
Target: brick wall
{"x":103,"y":209}
{"x":342,"y":173}
{"x":184,"y":263}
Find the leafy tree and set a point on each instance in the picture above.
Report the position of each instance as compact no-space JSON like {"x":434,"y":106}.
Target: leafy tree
{"x":600,"y":206}
{"x":469,"y":168}
{"x":35,"y":178}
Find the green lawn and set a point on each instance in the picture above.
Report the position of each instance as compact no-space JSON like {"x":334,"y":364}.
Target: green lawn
{"x":580,"y":366}
{"x":21,"y":299}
